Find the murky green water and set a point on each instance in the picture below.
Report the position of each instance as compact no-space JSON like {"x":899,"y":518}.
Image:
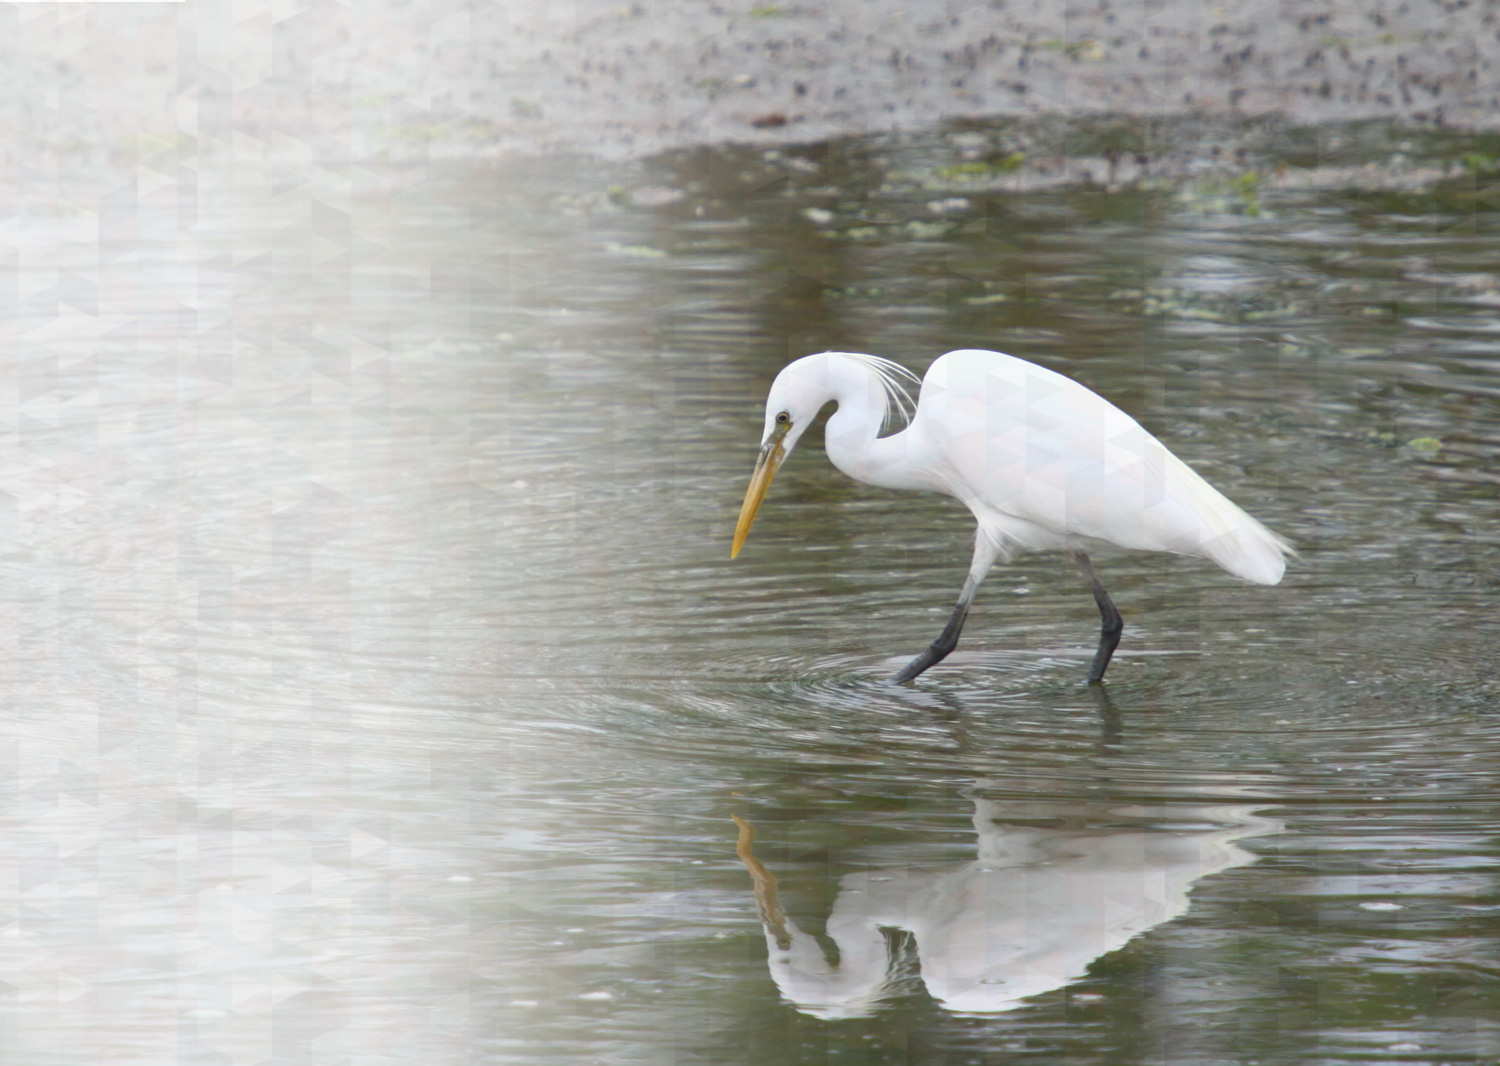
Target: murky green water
{"x":379,"y":687}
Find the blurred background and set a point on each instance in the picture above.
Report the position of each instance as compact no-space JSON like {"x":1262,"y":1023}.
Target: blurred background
{"x":381,"y":382}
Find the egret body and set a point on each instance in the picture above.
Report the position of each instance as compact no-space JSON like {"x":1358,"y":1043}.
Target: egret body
{"x":1040,"y":460}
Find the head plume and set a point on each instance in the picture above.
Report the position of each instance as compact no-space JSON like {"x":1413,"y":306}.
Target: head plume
{"x":899,"y":406}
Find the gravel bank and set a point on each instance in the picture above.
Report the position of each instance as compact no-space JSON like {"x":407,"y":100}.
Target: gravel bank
{"x":320,"y":83}
{"x":635,"y":78}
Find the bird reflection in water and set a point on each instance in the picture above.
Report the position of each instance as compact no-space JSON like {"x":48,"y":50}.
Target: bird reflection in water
{"x":1025,"y":917}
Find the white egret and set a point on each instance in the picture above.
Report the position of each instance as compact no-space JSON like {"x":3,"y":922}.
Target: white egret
{"x":1041,"y":461}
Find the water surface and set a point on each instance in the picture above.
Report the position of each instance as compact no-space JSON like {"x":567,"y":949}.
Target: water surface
{"x":379,"y":687}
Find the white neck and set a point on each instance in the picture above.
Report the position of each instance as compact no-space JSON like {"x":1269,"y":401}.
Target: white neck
{"x":851,"y":437}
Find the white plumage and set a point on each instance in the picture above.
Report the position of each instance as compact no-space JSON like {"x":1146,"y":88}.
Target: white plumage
{"x":1040,"y":460}
{"x":1043,"y":461}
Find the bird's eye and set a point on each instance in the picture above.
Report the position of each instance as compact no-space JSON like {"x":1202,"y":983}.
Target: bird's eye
{"x":783,"y":419}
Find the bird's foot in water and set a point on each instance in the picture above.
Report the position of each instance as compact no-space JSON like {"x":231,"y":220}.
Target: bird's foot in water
{"x":939,"y":649}
{"x":929,"y":658}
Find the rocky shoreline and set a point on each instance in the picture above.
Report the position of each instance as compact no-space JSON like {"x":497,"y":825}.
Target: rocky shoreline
{"x":101,"y":87}
{"x":633,"y":79}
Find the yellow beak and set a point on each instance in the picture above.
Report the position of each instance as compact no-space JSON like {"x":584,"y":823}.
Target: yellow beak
{"x":765,"y":469}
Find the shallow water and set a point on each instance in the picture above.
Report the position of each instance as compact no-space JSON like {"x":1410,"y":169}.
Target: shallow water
{"x":379,"y":687}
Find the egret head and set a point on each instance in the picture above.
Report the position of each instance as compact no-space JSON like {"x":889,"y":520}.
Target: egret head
{"x":865,"y":383}
{"x":797,"y":395}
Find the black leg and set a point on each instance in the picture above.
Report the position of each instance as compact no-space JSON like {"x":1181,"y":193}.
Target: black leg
{"x":938,"y":650}
{"x":985,"y":552}
{"x":1112,"y":623}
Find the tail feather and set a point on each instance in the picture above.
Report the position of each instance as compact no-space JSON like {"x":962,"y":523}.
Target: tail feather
{"x":1259,"y":555}
{"x":1230,"y":537}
